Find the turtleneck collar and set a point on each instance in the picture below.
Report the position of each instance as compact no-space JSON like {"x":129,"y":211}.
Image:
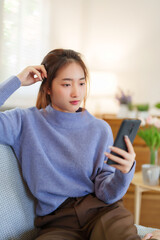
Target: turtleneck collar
{"x":68,"y":120}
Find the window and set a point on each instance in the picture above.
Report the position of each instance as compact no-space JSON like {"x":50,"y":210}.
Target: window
{"x":21,"y":37}
{"x":21,"y":34}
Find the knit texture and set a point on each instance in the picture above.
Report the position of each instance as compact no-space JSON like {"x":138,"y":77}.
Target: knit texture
{"x":61,"y":154}
{"x":16,"y":203}
{"x":142,"y":230}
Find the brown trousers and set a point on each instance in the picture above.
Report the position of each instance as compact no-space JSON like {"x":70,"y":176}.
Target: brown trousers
{"x":87,"y":218}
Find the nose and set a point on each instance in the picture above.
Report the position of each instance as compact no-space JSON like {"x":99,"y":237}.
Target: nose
{"x":75,"y":91}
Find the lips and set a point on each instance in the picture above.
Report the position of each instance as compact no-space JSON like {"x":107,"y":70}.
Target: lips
{"x":74,"y":102}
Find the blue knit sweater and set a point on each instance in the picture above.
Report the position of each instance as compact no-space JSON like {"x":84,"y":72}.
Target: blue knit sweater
{"x":61,"y":154}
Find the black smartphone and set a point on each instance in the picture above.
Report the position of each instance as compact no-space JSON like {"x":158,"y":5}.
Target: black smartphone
{"x":128,"y":127}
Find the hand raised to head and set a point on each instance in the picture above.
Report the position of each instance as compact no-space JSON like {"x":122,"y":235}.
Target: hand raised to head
{"x":32,"y":74}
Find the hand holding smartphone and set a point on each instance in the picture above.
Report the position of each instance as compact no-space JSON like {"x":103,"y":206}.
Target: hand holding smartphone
{"x":128,"y":127}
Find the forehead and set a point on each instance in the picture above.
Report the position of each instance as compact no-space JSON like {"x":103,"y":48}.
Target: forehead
{"x":70,"y":70}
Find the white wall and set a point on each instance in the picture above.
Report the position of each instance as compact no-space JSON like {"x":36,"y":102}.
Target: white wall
{"x":118,"y":36}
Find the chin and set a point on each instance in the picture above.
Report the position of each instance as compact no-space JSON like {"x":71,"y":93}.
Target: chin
{"x":70,"y":109}
{"x":73,"y":109}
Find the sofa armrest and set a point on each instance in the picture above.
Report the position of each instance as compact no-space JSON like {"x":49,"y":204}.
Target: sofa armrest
{"x":16,"y":202}
{"x":142,"y":230}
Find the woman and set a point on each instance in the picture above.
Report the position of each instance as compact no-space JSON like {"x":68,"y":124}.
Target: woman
{"x":63,"y":150}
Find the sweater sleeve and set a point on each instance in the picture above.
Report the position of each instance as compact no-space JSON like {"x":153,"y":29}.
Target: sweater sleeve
{"x":111,"y":184}
{"x":10,"y":121}
{"x":8,"y":87}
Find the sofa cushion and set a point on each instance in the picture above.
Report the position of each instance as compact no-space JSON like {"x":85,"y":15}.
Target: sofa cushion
{"x":16,"y":202}
{"x":142,"y":230}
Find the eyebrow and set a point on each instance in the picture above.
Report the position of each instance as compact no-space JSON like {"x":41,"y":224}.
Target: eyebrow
{"x":70,"y":79}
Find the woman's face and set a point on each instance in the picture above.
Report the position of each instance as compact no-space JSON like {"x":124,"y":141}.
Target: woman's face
{"x":68,"y":88}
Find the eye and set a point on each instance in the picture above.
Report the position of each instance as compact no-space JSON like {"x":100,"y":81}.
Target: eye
{"x":66,"y":85}
{"x":82,"y":84}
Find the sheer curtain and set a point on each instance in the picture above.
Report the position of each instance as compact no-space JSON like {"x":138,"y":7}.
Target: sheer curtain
{"x":23,"y":41}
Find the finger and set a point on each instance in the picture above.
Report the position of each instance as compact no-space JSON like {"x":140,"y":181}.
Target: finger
{"x":116,"y":159}
{"x":36,"y":74}
{"x":148,"y":236}
{"x":44,"y":72}
{"x":123,"y":165}
{"x":129,"y":144}
{"x":39,"y":72}
{"x":42,"y":69}
{"x":123,"y":169}
{"x":119,"y":151}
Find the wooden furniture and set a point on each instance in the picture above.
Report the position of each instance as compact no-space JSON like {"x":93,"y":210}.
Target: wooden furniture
{"x":150,"y":210}
{"x":140,"y":187}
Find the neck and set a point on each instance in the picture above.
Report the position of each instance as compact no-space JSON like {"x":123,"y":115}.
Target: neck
{"x":67,"y":120}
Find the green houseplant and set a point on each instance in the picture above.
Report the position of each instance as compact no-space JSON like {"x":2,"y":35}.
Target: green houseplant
{"x":150,"y":133}
{"x":157,"y":105}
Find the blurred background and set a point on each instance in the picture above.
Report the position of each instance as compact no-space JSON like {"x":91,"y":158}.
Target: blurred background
{"x":120,"y":42}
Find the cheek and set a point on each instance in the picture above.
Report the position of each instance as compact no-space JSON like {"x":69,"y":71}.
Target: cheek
{"x":84,"y":91}
{"x":59,"y":92}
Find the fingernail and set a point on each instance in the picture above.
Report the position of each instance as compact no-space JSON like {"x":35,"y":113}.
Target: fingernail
{"x":106,"y":153}
{"x":110,"y":147}
{"x":125,"y":136}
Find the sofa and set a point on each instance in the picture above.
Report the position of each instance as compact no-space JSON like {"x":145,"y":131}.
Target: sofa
{"x":17,"y":205}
